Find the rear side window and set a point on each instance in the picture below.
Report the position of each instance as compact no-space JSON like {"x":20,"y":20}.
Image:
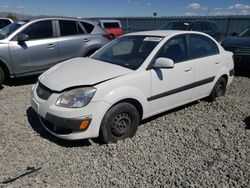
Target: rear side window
{"x":68,"y":27}
{"x":111,"y":25}
{"x":89,"y":27}
{"x":39,"y":30}
{"x":202,"y":46}
{"x":4,"y":23}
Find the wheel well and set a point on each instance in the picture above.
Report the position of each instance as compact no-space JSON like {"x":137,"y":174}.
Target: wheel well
{"x":90,"y":52}
{"x":135,"y":103}
{"x":225,"y":76}
{"x":5,"y":69}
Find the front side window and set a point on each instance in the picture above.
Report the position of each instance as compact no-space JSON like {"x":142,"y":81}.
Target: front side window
{"x":202,"y":46}
{"x":128,"y":51}
{"x":175,"y":49}
{"x":39,"y":30}
{"x":68,"y":28}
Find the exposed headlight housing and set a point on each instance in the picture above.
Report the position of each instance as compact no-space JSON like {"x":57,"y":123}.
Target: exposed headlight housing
{"x":76,"y":98}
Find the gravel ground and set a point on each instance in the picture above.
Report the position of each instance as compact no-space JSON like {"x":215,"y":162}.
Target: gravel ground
{"x":198,"y":145}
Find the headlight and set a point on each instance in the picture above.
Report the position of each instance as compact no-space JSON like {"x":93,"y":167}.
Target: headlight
{"x":76,"y":98}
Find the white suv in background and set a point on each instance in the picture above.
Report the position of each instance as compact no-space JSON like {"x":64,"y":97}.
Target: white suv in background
{"x":131,"y":78}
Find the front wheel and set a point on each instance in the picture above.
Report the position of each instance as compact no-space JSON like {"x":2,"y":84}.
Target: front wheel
{"x":120,"y":122}
{"x":218,"y":90}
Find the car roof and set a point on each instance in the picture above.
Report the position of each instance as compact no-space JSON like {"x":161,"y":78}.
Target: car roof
{"x":162,"y":33}
{"x":58,"y":18}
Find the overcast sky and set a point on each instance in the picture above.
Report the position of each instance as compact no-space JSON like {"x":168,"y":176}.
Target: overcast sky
{"x":118,"y":8}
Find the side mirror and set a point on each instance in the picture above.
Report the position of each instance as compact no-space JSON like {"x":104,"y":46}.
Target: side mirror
{"x":21,"y":38}
{"x":234,"y":34}
{"x":164,"y":63}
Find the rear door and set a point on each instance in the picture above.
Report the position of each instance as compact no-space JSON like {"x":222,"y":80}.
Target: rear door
{"x":39,"y":52}
{"x":207,"y":63}
{"x":73,"y":39}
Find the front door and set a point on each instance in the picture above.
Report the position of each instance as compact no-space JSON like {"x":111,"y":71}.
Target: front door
{"x":36,"y":54}
{"x":172,"y":87}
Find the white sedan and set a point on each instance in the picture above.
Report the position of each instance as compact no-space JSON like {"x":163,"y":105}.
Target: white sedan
{"x":131,"y":78}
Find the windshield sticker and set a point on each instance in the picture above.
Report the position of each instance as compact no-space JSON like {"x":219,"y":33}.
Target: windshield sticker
{"x":153,"y":39}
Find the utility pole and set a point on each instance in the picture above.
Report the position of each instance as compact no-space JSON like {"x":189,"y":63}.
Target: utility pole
{"x":155,"y":15}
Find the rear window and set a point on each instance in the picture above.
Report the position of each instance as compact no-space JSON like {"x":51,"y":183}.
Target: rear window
{"x":111,"y":25}
{"x":68,"y":28}
{"x":89,"y":27}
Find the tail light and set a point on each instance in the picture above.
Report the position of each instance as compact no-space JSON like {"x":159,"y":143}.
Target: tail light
{"x":107,"y":36}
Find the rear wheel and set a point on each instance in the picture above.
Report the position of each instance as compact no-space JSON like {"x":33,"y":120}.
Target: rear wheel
{"x":2,"y":76}
{"x":120,"y":122}
{"x":218,"y":90}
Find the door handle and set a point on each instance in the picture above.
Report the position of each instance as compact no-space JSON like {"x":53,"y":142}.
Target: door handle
{"x":86,"y":40}
{"x":188,"y":69}
{"x":51,"y":46}
{"x":217,"y":62}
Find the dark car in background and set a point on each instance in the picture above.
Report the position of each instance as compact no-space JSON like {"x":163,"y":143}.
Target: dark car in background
{"x":240,"y":46}
{"x":31,"y":46}
{"x":206,"y":26}
{"x":4,"y":22}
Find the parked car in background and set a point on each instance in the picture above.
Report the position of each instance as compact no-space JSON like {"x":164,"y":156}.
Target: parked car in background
{"x":131,"y":78}
{"x":240,"y":46}
{"x":113,"y":27}
{"x":4,"y":22}
{"x":31,"y":46}
{"x":205,"y":26}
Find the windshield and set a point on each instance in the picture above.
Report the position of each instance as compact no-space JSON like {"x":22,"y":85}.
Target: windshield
{"x":177,"y":26}
{"x":128,"y":51}
{"x":9,"y":29}
{"x":245,"y":33}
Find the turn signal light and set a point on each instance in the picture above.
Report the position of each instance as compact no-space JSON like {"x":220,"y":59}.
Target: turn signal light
{"x":84,"y":124}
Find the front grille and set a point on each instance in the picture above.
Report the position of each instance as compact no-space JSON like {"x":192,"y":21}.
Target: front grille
{"x":43,"y":92}
{"x":238,"y":50}
{"x":54,"y":128}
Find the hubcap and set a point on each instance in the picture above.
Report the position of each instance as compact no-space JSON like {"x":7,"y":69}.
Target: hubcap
{"x":121,"y":124}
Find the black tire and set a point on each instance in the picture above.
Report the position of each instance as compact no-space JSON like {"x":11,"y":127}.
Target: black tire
{"x":120,"y":122}
{"x":218,"y":90}
{"x":2,"y":76}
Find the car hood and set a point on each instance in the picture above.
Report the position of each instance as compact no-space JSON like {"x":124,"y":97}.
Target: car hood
{"x":237,"y":42}
{"x":80,"y":72}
